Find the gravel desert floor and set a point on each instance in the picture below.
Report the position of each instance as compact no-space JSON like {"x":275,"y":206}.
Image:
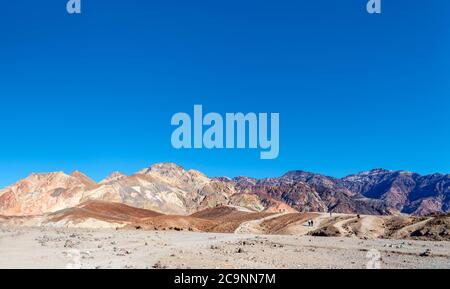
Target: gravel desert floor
{"x":108,"y":248}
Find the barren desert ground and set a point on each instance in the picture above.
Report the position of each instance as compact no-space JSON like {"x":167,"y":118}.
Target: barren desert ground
{"x":108,"y":248}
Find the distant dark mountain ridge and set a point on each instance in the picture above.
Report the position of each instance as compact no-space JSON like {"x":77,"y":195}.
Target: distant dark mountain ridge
{"x":377,"y":191}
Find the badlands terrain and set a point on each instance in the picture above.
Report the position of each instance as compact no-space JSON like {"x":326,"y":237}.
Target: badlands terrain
{"x":168,"y":217}
{"x":176,"y":246}
{"x":110,"y":235}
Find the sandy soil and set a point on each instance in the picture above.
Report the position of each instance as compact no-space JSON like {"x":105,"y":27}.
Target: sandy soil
{"x":109,"y":248}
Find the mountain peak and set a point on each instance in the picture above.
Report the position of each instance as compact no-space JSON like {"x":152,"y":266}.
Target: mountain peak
{"x":114,"y":176}
{"x":166,"y":166}
{"x":78,"y":174}
{"x":372,"y":172}
{"x":295,"y":173}
{"x":34,"y":174}
{"x":380,"y":171}
{"x":83,"y":178}
{"x":163,"y":169}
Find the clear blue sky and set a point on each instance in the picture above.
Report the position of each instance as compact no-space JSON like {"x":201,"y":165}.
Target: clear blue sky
{"x":96,"y":91}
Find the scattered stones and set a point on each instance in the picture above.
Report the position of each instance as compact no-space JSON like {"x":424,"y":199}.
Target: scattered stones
{"x":122,"y":252}
{"x":69,"y":244}
{"x":427,"y":253}
{"x":246,"y":243}
{"x":158,"y":265}
{"x":275,"y":245}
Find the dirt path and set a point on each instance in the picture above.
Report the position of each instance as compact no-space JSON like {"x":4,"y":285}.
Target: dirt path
{"x":253,"y":226}
{"x":301,"y":228}
{"x":371,"y":227}
{"x":340,"y":226}
{"x":304,"y":229}
{"x":408,"y":229}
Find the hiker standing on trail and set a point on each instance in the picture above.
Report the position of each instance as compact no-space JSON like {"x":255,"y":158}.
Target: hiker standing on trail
{"x":312,"y":223}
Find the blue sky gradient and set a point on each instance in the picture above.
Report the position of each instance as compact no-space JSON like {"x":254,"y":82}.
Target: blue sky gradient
{"x":95,"y":92}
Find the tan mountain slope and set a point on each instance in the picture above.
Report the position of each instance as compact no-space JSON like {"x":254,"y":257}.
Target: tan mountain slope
{"x":43,"y":193}
{"x":166,"y":188}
